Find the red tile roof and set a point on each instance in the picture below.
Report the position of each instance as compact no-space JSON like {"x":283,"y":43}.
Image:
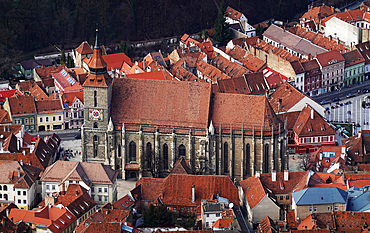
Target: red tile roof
{"x":4,"y":117}
{"x":115,"y":61}
{"x":70,"y":98}
{"x":289,"y":97}
{"x":226,"y":111}
{"x":38,"y":93}
{"x":232,"y":85}
{"x":267,"y":225}
{"x":253,"y":190}
{"x":316,"y":13}
{"x":84,"y":48}
{"x":181,"y":166}
{"x":176,"y":106}
{"x":156,"y":75}
{"x":232,"y":69}
{"x":55,"y":218}
{"x":176,"y":189}
{"x":250,"y":61}
{"x":357,"y":147}
{"x":22,"y":105}
{"x":223,"y":223}
{"x":233,"y":14}
{"x":49,"y":106}
{"x":281,"y":186}
{"x":326,"y":58}
{"x":210,"y":72}
{"x":352,"y":58}
{"x":310,"y":123}
{"x":65,"y":82}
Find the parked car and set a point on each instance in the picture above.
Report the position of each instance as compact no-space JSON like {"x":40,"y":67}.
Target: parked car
{"x":365,"y":90}
{"x":324,"y":102}
{"x":350,"y":95}
{"x":335,"y":99}
{"x":78,"y":136}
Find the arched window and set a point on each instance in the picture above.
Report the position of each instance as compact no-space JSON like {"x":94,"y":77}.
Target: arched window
{"x":95,"y":125}
{"x":95,"y":145}
{"x":248,"y":159}
{"x":6,"y":197}
{"x":5,"y":188}
{"x":226,"y":158}
{"x":266,"y":159}
{"x":132,"y":151}
{"x":165,"y":157}
{"x":95,"y":99}
{"x":148,"y":156}
{"x":182,"y":151}
{"x":1,"y":187}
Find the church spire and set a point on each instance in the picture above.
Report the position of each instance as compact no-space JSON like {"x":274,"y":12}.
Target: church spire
{"x":96,"y":39}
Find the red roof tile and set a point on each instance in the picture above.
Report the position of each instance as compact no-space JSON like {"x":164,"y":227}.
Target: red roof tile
{"x":84,"y":48}
{"x":288,"y":95}
{"x":22,"y":105}
{"x":253,"y":190}
{"x":49,"y":106}
{"x":223,"y":223}
{"x":252,"y":63}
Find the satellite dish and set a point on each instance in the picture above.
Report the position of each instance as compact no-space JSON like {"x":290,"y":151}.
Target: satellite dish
{"x":231,"y":205}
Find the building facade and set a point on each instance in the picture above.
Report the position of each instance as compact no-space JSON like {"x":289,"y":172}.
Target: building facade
{"x":149,"y":124}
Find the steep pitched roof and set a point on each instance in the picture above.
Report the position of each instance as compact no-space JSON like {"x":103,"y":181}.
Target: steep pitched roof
{"x":176,"y":101}
{"x":324,"y":195}
{"x":22,"y":105}
{"x":84,"y":48}
{"x":181,"y":166}
{"x":4,"y":117}
{"x":250,"y":61}
{"x":210,"y":72}
{"x":46,"y":72}
{"x":353,"y":58}
{"x":288,"y":95}
{"x":267,"y":225}
{"x":327,"y":58}
{"x":317,"y":13}
{"x":231,"y":85}
{"x":115,"y":61}
{"x":156,"y":75}
{"x":176,"y":189}
{"x":38,"y":93}
{"x":281,"y":186}
{"x":49,"y":106}
{"x":225,"y":111}
{"x":358,"y":146}
{"x":253,"y":190}
{"x":364,"y":49}
{"x":310,"y":123}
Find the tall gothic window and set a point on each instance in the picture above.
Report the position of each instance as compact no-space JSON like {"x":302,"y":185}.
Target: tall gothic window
{"x":165,"y":157}
{"x":95,"y":145}
{"x":132,"y":151}
{"x":148,"y":156}
{"x":266,"y":159}
{"x":182,"y":151}
{"x":226,"y":158}
{"x":248,"y":159}
{"x":95,"y":99}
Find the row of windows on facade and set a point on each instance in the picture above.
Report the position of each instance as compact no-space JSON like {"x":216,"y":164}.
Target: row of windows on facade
{"x":182,"y":153}
{"x":100,"y":198}
{"x":41,"y":119}
{"x":286,"y":197}
{"x":330,"y":208}
{"x":26,"y":120}
{"x":181,"y":209}
{"x":78,"y":114}
{"x":317,"y":139}
{"x":77,"y":122}
{"x":100,"y":190}
{"x":4,"y":187}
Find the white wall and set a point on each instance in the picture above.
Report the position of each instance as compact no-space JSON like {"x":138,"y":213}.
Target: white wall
{"x":301,"y":104}
{"x":345,"y":31}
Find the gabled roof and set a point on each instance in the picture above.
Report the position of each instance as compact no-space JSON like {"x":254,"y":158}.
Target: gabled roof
{"x":281,"y":186}
{"x":47,"y":72}
{"x":31,"y":64}
{"x":223,"y":223}
{"x":233,"y":14}
{"x":176,"y":189}
{"x":353,"y":58}
{"x":288,"y":95}
{"x":232,"y":69}
{"x":267,"y":225}
{"x":209,"y":71}
{"x":69,"y":98}
{"x":9,"y":174}
{"x":250,"y":61}
{"x":225,"y":111}
{"x":84,"y":48}
{"x":317,"y":196}
{"x":49,"y":106}
{"x":132,"y":96}
{"x":38,"y":93}
{"x":66,"y":82}
{"x":4,"y":117}
{"x":317,"y":13}
{"x":292,"y":41}
{"x":358,"y":146}
{"x":364,"y":49}
{"x":310,"y":123}
{"x":22,"y":105}
{"x":125,"y":203}
{"x":181,"y":166}
{"x":115,"y":61}
{"x":96,"y":173}
{"x":253,"y":191}
{"x":231,"y":85}
{"x":329,"y":58}
{"x":56,"y":218}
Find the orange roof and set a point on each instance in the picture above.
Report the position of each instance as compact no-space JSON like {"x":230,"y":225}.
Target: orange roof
{"x":47,"y":72}
{"x":316,"y":13}
{"x":250,"y":61}
{"x":222,"y":223}
{"x":233,"y":14}
{"x":69,"y":98}
{"x":49,"y":106}
{"x":253,"y":190}
{"x":289,"y":97}
{"x":156,"y":75}
{"x":310,"y":123}
{"x":4,"y":117}
{"x":84,"y":48}
{"x":38,"y":93}
{"x":115,"y":61}
{"x":22,"y":105}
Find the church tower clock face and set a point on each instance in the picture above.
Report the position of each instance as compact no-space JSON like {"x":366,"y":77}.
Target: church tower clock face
{"x":96,"y":114}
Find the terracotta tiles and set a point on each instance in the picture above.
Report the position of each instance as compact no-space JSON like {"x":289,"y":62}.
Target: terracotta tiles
{"x":317,"y":13}
{"x":234,"y":85}
{"x":267,"y":225}
{"x":49,"y":106}
{"x":211,"y":72}
{"x":4,"y":117}
{"x":325,"y":58}
{"x":185,"y":108}
{"x":281,"y":186}
{"x":253,"y":190}
{"x":251,"y":62}
{"x":233,"y":14}
{"x":223,"y":223}
{"x":226,"y":111}
{"x":84,"y":48}
{"x":288,"y":95}
{"x":22,"y":105}
{"x":310,"y":123}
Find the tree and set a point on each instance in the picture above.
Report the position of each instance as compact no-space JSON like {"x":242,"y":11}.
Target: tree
{"x":63,"y":58}
{"x":305,"y":162}
{"x":158,"y":216}
{"x":222,"y":30}
{"x":124,"y":48}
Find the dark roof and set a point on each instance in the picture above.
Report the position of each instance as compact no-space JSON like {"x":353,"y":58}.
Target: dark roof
{"x":31,"y":64}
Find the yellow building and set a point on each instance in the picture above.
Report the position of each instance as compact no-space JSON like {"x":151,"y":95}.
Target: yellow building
{"x":49,"y":115}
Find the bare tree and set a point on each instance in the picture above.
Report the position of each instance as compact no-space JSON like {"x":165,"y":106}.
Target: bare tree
{"x":305,"y":162}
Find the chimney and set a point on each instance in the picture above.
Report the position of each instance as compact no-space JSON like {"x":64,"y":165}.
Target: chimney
{"x":273,"y":176}
{"x":21,"y":162}
{"x":193,"y":193}
{"x":7,"y":212}
{"x":24,"y":152}
{"x":56,"y":95}
{"x":19,"y":172}
{"x":312,"y":114}
{"x":258,"y":174}
{"x":332,"y":9}
{"x":286,"y":175}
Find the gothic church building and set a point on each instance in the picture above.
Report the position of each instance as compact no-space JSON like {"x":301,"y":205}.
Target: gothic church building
{"x":141,"y":127}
